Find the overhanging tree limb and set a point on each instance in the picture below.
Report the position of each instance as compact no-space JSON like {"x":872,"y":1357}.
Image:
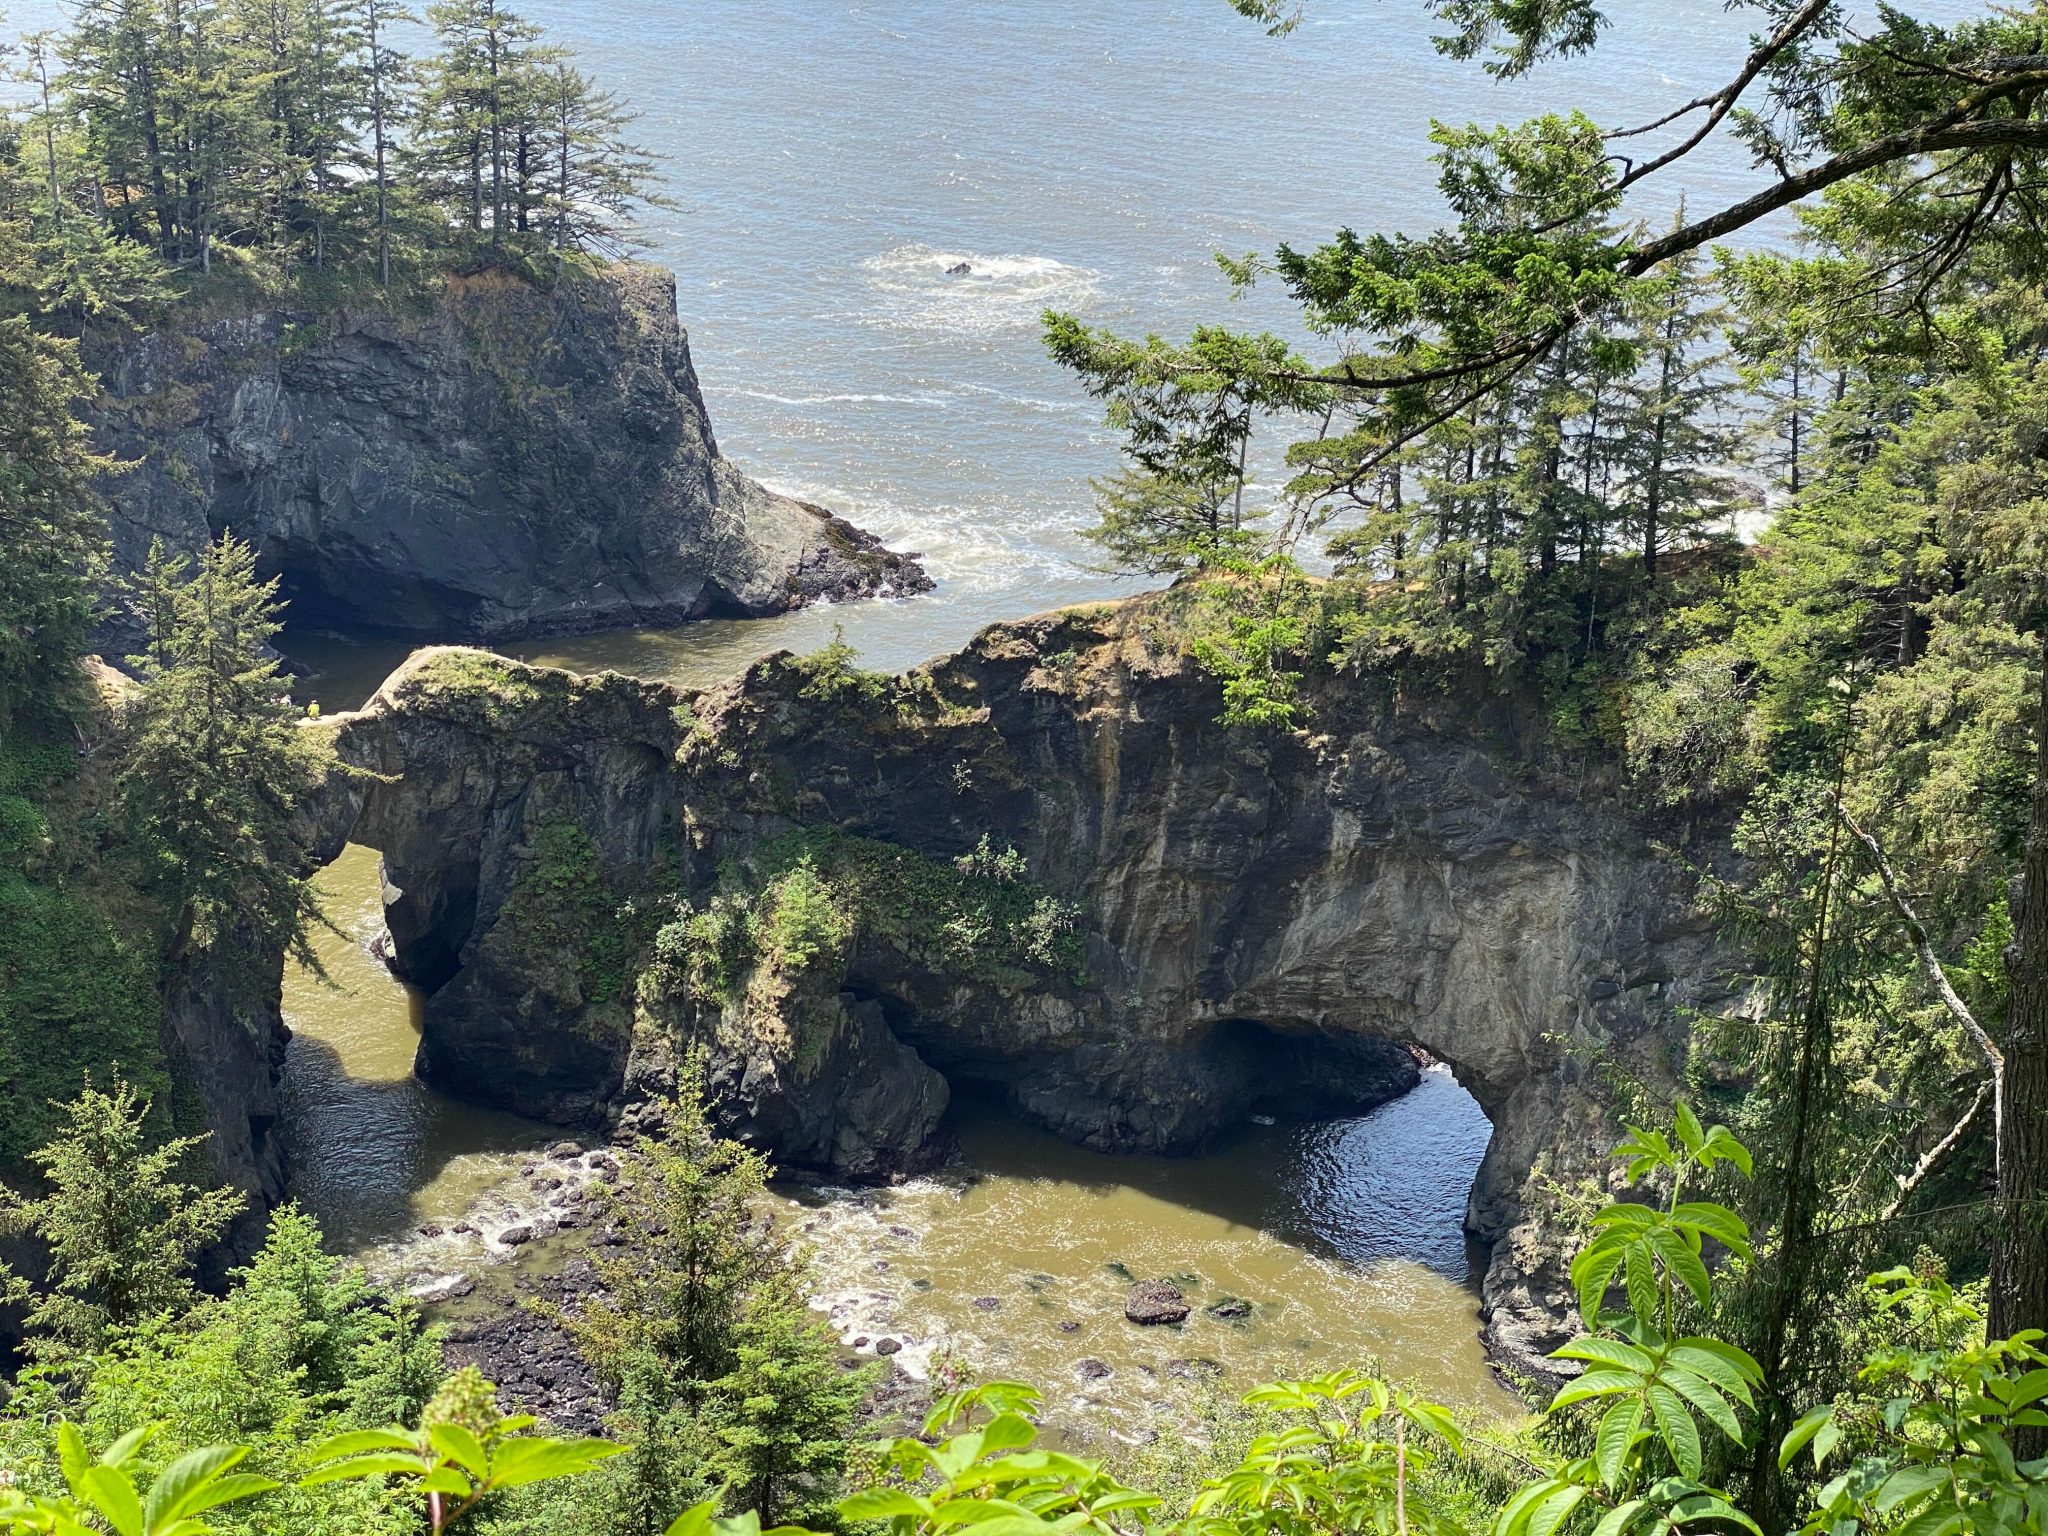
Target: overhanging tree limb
{"x":1923,"y":946}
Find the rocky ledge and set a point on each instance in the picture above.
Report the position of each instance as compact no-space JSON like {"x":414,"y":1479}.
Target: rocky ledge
{"x":496,"y":460}
{"x":1060,"y":879}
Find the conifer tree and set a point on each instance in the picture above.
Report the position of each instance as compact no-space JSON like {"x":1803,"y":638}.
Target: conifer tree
{"x":218,"y":763}
{"x":122,"y":1230}
{"x":701,"y":1335}
{"x":52,"y":524}
{"x":1681,"y":447}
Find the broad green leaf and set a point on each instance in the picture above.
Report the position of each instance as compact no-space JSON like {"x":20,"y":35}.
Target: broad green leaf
{"x":2019,"y":1392}
{"x":384,"y":1464}
{"x":182,"y":1480}
{"x":1703,"y":1396}
{"x":1738,"y":1358}
{"x":1619,"y":1518}
{"x":1007,"y":1432}
{"x":1595,"y":1384}
{"x":108,"y":1490}
{"x":1717,"y":1221}
{"x":1721,"y":1146}
{"x":1030,"y":1525}
{"x":694,"y":1521}
{"x":1807,"y":1431}
{"x":1628,"y":1214}
{"x":880,"y":1504}
{"x":1615,"y":1438}
{"x":1701,"y":1507}
{"x":518,"y":1463}
{"x":357,"y":1441}
{"x":1691,"y":1134}
{"x":1907,"y":1484}
{"x":1592,"y":1272}
{"x":71,"y":1454}
{"x":1688,"y":1355}
{"x":1641,"y":1279}
{"x":231,"y":1489}
{"x":118,"y":1454}
{"x":1675,"y":1428}
{"x":1513,"y":1518}
{"x":1546,"y":1517}
{"x":1683,"y":1264}
{"x":1605,"y":1352}
{"x":458,"y":1443}
{"x":1937,"y":1519}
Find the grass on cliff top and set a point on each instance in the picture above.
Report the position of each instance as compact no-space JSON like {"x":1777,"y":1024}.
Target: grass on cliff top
{"x":242,"y":281}
{"x":483,"y":683}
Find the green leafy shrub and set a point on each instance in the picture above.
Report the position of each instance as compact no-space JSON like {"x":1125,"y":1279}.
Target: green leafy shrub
{"x":801,"y":919}
{"x":831,"y":677}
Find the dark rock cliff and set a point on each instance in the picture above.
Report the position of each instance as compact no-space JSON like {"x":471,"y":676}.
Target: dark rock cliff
{"x":1256,"y":921}
{"x":501,"y":460}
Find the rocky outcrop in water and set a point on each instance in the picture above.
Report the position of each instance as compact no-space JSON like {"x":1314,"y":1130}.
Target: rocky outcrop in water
{"x":500,"y":460}
{"x":1197,"y":922}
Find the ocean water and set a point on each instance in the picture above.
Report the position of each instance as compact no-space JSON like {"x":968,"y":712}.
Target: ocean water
{"x":830,"y":161}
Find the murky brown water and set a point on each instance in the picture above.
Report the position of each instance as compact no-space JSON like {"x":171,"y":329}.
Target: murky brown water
{"x":1344,"y":1237}
{"x":374,"y":1151}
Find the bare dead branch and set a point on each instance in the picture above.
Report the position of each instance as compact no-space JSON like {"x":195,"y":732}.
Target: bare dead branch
{"x":1931,"y":1160}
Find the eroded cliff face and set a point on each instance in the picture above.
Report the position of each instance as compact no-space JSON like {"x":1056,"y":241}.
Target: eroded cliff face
{"x":1209,"y":920}
{"x":502,"y":460}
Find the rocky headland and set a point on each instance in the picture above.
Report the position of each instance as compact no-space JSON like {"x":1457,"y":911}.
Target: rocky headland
{"x":489,"y":459}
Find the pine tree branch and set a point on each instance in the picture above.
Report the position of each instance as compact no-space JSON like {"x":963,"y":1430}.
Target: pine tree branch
{"x":1723,"y":101}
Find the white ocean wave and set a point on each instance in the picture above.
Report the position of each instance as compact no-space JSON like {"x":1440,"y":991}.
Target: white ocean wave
{"x":921,"y":287}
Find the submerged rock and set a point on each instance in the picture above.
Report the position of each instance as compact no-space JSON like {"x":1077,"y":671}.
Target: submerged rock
{"x":445,"y":1288}
{"x":1152,"y":1302}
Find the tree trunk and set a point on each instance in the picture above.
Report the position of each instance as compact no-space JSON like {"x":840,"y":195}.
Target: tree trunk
{"x":377,"y":138}
{"x":2019,"y":1255}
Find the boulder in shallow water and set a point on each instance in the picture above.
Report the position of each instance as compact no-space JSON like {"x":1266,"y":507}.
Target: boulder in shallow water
{"x":1231,"y":1309}
{"x":444,"y":1288}
{"x":512,"y":1237}
{"x":1152,"y":1302}
{"x":888,"y":1346}
{"x":1092,"y":1369}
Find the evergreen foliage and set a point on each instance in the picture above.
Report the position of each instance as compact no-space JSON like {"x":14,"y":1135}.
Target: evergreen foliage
{"x":218,"y":762}
{"x":122,"y":1230}
{"x":293,"y":140}
{"x":724,"y":1379}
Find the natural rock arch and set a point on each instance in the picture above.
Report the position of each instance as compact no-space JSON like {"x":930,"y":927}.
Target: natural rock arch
{"x":1425,"y":870}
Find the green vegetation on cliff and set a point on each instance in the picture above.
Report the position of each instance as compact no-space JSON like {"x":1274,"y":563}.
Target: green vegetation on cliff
{"x":229,"y":146}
